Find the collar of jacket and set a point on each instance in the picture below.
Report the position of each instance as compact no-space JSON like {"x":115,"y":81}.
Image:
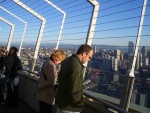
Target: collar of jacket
{"x":75,"y":56}
{"x":51,"y":60}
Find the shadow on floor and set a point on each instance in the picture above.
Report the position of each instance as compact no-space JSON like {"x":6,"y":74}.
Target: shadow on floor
{"x":21,"y":108}
{"x":24,"y":108}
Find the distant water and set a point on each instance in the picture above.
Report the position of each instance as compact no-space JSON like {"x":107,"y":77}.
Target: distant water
{"x":69,"y":46}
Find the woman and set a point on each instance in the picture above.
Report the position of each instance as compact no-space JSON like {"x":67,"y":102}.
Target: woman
{"x":48,"y":78}
{"x":13,"y":65}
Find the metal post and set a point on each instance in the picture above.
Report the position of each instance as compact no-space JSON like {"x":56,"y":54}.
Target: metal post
{"x":91,"y":29}
{"x":125,"y":101}
{"x":21,"y":21}
{"x":11,"y":31}
{"x":62,"y":24}
{"x":40,"y":31}
{"x":127,"y":92}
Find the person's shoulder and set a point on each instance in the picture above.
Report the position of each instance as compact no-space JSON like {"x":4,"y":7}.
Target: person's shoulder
{"x":17,"y":58}
{"x":49,"y":63}
{"x":69,"y":59}
{"x":5,"y":58}
{"x":73,"y":60}
{"x":1,"y":58}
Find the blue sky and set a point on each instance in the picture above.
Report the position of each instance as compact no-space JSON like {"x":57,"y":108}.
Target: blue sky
{"x":114,"y":19}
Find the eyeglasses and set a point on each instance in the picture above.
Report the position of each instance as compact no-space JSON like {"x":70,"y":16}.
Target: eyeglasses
{"x":89,"y":56}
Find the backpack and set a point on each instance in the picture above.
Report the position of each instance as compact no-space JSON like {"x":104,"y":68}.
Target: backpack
{"x":4,"y":68}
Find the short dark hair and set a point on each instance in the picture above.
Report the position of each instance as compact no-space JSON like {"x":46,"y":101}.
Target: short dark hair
{"x":13,"y":51}
{"x":84,"y":48}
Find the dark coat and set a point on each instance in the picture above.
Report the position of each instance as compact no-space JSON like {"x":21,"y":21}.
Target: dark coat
{"x":69,"y":94}
{"x":13,"y":66}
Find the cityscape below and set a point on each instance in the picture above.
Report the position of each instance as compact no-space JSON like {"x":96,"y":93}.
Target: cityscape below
{"x":106,"y":70}
{"x":104,"y":73}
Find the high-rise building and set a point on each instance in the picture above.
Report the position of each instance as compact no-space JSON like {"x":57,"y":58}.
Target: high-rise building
{"x":144,"y":54}
{"x":144,"y":51}
{"x":146,"y":61}
{"x":108,"y":64}
{"x":148,"y":56}
{"x":114,"y":63}
{"x":121,"y":56}
{"x":117,"y":54}
{"x":125,"y":56}
{"x":123,"y":64}
{"x":130,"y":61}
{"x":137,"y":62}
{"x":140,"y":60}
{"x":107,"y":56}
{"x":95,"y":50}
{"x":130,"y":47}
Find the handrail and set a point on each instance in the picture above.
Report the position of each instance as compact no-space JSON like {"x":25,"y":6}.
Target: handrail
{"x":106,"y":71}
{"x":31,"y":72}
{"x":109,"y":105}
{"x":105,"y":103}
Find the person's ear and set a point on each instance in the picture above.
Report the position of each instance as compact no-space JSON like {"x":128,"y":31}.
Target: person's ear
{"x":84,"y":54}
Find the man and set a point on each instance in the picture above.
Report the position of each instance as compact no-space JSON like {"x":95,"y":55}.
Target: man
{"x":69,"y":95}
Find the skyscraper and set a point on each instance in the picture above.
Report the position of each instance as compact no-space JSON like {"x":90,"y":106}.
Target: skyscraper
{"x":95,"y":50}
{"x":130,"y":47}
{"x":117,"y":54}
{"x":144,"y":51}
{"x":130,"y":61}
{"x":144,"y":54}
{"x":137,"y":65}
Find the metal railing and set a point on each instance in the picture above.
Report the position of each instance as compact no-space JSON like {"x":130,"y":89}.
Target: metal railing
{"x":110,"y":107}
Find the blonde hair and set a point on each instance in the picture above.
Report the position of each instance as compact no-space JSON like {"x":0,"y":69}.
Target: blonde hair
{"x":58,"y":55}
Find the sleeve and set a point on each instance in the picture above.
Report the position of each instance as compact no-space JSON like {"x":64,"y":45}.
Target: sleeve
{"x":20,"y":65}
{"x":50,"y":72}
{"x":1,"y":63}
{"x":75,"y":86}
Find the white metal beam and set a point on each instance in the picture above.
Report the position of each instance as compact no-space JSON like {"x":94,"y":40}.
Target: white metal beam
{"x":131,"y":74}
{"x":40,"y":31}
{"x":63,"y":20}
{"x":21,"y":21}
{"x":11,"y":31}
{"x":91,"y":29}
{"x":130,"y":83}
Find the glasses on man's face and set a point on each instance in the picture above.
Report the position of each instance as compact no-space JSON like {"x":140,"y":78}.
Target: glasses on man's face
{"x":89,"y":56}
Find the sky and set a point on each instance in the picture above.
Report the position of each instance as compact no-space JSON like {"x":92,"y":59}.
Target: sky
{"x":117,"y":22}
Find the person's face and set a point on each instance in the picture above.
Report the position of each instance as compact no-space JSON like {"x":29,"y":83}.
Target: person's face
{"x":86,"y":57}
{"x":3,"y":53}
{"x":58,"y":62}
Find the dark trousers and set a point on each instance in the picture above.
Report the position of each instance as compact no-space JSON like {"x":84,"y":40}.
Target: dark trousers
{"x":45,"y":108}
{"x":12,"y":92}
{"x":2,"y":87}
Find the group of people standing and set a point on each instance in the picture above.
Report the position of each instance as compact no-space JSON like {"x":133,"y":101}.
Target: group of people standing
{"x":68,"y":97}
{"x":10,"y":64}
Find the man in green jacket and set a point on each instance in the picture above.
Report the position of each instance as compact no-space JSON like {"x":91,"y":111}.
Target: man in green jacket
{"x":69,"y":96}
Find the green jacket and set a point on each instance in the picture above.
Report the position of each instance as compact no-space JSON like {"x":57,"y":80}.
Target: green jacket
{"x":69,"y":95}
